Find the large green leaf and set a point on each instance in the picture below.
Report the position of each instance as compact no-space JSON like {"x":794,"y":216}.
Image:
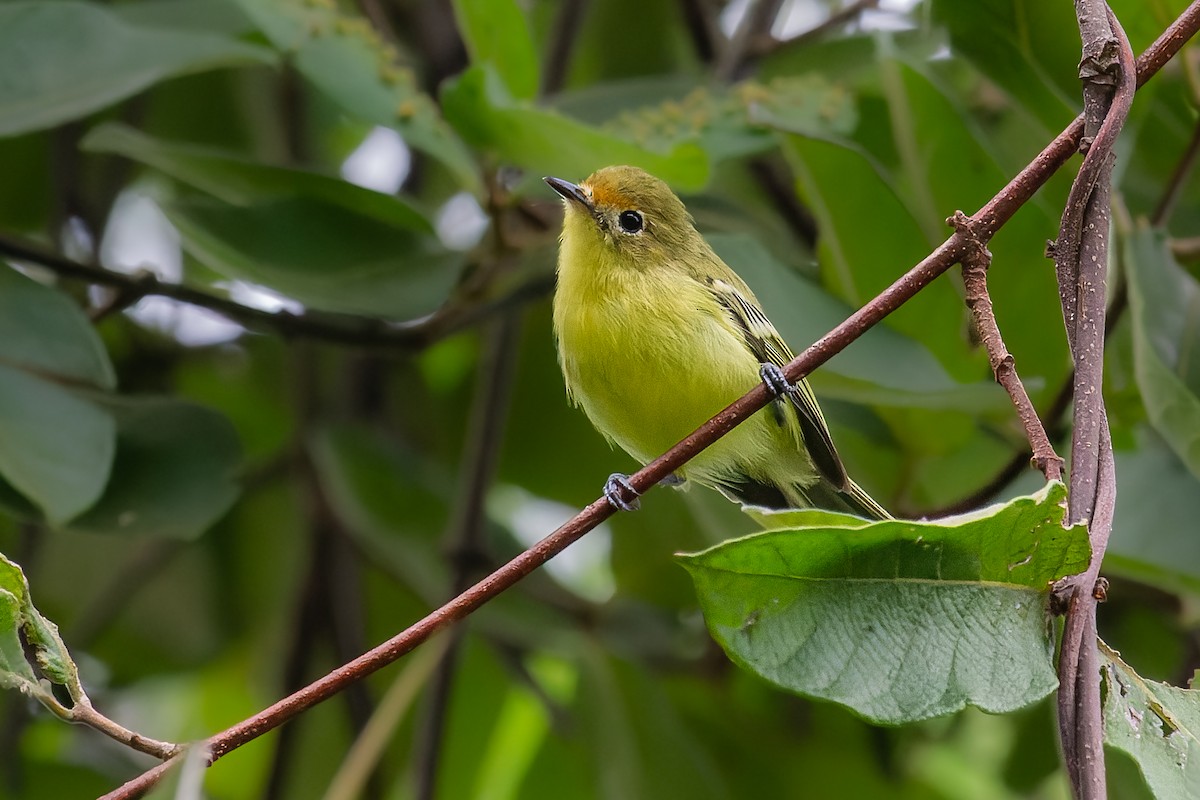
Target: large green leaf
{"x":742,"y":120}
{"x":238,"y":180}
{"x":63,"y":60}
{"x":1165,"y":303}
{"x":1155,"y":723}
{"x":56,"y":447}
{"x":321,"y":254}
{"x":30,"y":647}
{"x":848,"y":194}
{"x":898,"y":620}
{"x":344,"y":57}
{"x":44,"y":332}
{"x":496,"y":33}
{"x":175,"y":472}
{"x":540,"y":139}
{"x":1026,"y":47}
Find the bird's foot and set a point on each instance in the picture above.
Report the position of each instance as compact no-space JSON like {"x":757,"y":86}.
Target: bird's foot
{"x":618,"y":485}
{"x":673,"y":480}
{"x":773,"y":377}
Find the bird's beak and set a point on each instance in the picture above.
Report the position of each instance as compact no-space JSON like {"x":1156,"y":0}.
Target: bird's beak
{"x":570,"y":192}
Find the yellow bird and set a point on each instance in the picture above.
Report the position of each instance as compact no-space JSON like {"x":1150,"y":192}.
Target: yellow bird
{"x":656,"y":334}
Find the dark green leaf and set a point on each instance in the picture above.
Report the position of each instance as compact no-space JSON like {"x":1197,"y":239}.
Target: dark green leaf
{"x":898,"y":620}
{"x":44,"y":332}
{"x":240,"y":181}
{"x":1155,"y":723}
{"x":344,"y":57}
{"x":56,"y":447}
{"x":1027,"y":47}
{"x":552,"y":144}
{"x":321,"y":254}
{"x":1165,"y":304}
{"x":63,"y":60}
{"x":175,"y":472}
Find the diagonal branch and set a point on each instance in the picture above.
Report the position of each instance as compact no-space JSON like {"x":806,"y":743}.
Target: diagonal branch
{"x":986,"y":222}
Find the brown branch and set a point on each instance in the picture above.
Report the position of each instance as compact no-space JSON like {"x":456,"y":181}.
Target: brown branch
{"x":975,"y":263}
{"x":1081,"y":262}
{"x":986,"y":222}
{"x":408,"y":336}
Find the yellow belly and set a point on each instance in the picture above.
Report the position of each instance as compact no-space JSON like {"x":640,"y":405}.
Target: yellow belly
{"x":647,"y":373}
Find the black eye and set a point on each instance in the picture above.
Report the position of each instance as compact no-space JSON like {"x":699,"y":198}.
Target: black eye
{"x":630,"y":221}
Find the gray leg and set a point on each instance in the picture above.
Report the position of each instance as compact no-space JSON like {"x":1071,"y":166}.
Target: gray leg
{"x":772,"y":376}
{"x":616,"y":485}
{"x":672,"y":480}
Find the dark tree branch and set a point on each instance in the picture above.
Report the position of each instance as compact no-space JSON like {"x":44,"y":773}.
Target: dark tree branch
{"x":562,"y":42}
{"x":987,"y":221}
{"x":407,"y":336}
{"x":975,"y":263}
{"x":468,"y":549}
{"x":831,"y":23}
{"x":1081,"y":261}
{"x":756,"y":22}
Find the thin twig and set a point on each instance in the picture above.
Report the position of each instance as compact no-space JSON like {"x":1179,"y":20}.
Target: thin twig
{"x":975,"y":263}
{"x":408,"y":336}
{"x":988,"y":220}
{"x":85,"y":713}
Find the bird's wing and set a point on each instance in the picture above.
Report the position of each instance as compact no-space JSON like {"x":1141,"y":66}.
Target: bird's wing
{"x":768,"y":347}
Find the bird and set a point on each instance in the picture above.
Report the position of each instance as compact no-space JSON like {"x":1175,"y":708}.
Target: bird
{"x":656,"y":334}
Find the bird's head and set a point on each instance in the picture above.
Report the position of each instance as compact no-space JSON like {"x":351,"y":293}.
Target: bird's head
{"x":624,"y":214}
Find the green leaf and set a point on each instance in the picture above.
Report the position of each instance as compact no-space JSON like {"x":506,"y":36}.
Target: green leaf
{"x":64,"y":60}
{"x":56,"y":447}
{"x":1165,"y":305}
{"x":321,"y":254}
{"x":44,"y":332}
{"x":1153,"y":539}
{"x":30,"y":647}
{"x":742,"y":120}
{"x":240,"y":181}
{"x":496,"y":33}
{"x":899,"y":620}
{"x":846,"y":192}
{"x":1155,"y":723}
{"x":1025,"y":47}
{"x":544,"y":140}
{"x":175,"y":472}
{"x":344,"y":57}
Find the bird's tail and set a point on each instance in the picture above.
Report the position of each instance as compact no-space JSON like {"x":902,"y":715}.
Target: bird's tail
{"x":822,"y":494}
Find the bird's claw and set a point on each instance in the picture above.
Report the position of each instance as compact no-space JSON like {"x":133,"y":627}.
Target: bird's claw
{"x":673,"y":480}
{"x":775,"y":381}
{"x":617,"y":485}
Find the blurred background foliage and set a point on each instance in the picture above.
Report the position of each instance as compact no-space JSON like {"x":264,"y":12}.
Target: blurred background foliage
{"x":217,"y":514}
